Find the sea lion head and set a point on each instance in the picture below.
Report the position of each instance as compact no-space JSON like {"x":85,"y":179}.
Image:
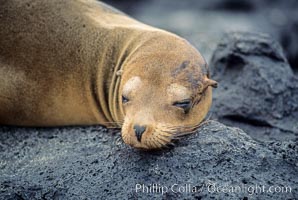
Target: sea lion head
{"x":164,"y":95}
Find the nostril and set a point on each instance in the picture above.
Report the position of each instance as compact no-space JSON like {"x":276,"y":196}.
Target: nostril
{"x":139,"y":130}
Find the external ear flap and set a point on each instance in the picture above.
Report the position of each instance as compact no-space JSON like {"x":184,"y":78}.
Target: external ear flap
{"x":203,"y":85}
{"x":210,"y":82}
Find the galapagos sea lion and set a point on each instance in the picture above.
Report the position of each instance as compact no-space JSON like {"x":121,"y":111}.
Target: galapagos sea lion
{"x":82,"y":62}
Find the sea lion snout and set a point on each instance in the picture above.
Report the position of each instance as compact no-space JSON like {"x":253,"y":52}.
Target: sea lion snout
{"x":139,"y":130}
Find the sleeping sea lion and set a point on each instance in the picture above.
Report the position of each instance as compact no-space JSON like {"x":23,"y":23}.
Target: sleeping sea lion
{"x":82,"y":62}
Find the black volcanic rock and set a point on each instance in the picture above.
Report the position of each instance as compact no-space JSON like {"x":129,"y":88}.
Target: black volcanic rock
{"x":93,"y":163}
{"x":256,"y":83}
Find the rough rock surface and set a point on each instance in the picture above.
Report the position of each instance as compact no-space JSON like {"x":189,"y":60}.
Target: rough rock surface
{"x":256,"y":85}
{"x":91,"y":162}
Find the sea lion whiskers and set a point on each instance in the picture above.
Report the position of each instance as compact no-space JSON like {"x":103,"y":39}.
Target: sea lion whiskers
{"x":162,"y":137}
{"x":157,"y":142}
{"x":169,"y":132}
{"x":179,"y":131}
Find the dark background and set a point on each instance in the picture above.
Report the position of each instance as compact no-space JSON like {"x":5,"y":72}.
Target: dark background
{"x":203,"y":22}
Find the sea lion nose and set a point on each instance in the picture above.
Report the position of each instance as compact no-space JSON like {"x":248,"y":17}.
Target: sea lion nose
{"x":139,"y":130}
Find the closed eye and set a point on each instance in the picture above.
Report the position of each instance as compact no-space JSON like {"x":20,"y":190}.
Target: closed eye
{"x":185,"y":105}
{"x":124,"y":99}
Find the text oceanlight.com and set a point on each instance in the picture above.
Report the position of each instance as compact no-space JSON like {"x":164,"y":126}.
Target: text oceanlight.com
{"x":211,"y":188}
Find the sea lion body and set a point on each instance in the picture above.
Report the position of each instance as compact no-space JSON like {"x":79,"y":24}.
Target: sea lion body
{"x":58,"y":60}
{"x":67,"y":62}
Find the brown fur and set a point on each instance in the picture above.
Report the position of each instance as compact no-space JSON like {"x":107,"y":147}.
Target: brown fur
{"x":65,"y":63}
